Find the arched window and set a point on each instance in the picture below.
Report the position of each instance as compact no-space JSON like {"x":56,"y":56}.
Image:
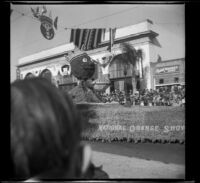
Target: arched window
{"x":46,"y":74}
{"x":29,"y":75}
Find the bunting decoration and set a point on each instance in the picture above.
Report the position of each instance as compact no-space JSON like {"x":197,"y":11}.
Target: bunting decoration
{"x":86,"y":39}
{"x":47,"y":24}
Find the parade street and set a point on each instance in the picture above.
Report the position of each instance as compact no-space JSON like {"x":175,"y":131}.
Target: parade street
{"x":144,"y":160}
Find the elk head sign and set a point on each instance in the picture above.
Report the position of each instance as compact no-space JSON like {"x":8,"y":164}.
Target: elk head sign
{"x":47,"y":24}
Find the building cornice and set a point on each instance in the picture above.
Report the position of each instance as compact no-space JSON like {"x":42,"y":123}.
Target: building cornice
{"x":46,"y":54}
{"x":149,"y":33}
{"x":40,"y":60}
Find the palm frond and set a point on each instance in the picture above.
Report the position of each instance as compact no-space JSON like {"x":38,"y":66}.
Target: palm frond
{"x":115,"y":58}
{"x":129,"y":53}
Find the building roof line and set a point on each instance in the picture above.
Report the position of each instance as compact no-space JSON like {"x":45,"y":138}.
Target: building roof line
{"x":134,"y":36}
{"x":42,"y":55}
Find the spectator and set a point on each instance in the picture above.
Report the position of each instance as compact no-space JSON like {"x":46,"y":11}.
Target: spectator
{"x":46,"y":133}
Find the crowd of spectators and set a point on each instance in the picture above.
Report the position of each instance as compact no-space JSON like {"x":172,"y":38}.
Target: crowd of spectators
{"x":163,"y":96}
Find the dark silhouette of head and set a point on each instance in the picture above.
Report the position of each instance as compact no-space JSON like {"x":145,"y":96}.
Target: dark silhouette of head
{"x":45,"y":132}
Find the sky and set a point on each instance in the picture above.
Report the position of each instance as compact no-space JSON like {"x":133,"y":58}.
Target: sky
{"x":26,"y":38}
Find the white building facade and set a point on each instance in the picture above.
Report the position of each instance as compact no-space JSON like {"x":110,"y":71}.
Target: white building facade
{"x":54,"y":62}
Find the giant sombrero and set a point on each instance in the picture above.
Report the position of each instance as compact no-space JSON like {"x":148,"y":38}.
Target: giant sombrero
{"x":82,"y":66}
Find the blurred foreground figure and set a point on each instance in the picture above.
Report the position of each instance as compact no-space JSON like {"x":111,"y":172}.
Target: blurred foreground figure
{"x":46,"y":134}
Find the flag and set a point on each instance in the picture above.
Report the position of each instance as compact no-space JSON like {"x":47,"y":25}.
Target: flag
{"x":104,"y":34}
{"x":112,"y":38}
{"x":86,"y":39}
{"x":90,"y":39}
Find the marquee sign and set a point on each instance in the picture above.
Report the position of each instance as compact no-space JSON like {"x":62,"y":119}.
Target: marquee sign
{"x":169,"y":69}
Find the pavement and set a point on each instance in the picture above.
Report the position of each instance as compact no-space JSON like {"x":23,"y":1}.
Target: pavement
{"x":128,"y":160}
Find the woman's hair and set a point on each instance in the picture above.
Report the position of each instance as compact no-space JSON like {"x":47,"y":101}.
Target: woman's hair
{"x":45,"y":129}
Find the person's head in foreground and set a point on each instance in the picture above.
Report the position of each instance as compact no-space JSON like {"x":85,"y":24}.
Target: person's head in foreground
{"x":45,"y":133}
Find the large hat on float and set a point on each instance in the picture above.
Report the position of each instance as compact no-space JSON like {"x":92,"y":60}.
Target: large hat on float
{"x":82,"y":66}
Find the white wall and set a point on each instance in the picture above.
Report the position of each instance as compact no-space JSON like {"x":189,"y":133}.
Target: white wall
{"x":47,"y":53}
{"x":126,"y":31}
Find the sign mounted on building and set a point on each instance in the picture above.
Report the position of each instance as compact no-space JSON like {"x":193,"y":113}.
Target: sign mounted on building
{"x":65,"y":70}
{"x":169,"y":69}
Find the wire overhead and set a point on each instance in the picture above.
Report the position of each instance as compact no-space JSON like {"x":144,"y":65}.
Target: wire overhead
{"x":93,"y":20}
{"x":73,"y":27}
{"x":105,"y":16}
{"x":64,"y":28}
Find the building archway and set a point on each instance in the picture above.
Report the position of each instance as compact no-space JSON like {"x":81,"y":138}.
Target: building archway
{"x":29,"y":75}
{"x":46,"y":73}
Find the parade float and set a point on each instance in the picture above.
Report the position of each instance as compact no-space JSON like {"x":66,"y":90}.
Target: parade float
{"x":138,"y":124}
{"x":114,"y":122}
{"x":83,"y":68}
